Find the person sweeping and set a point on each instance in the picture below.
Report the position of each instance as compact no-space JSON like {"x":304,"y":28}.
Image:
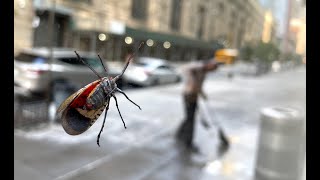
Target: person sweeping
{"x":195,"y":74}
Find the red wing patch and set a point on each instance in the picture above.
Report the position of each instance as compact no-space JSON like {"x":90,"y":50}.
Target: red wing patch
{"x":80,"y":100}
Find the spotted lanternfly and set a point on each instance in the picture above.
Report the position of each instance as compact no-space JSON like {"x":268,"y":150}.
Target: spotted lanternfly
{"x":79,"y":111}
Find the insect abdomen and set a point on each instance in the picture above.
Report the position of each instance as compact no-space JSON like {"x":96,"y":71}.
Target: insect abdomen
{"x":97,"y":98}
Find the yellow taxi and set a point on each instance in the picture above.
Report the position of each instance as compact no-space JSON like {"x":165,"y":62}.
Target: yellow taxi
{"x":227,"y":56}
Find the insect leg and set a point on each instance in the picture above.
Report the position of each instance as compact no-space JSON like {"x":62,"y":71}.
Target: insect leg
{"x":120,"y":91}
{"x":124,"y":124}
{"x":104,"y":120}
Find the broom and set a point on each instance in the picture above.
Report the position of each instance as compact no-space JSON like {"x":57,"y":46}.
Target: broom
{"x":209,"y":122}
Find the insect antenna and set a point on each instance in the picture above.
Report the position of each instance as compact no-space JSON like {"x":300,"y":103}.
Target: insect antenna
{"x":127,"y":62}
{"x":104,"y":120}
{"x":120,"y":91}
{"x":124,"y":124}
{"x":104,"y":67}
{"x":85,"y":63}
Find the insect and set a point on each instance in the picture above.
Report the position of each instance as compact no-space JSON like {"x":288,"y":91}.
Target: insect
{"x":81,"y":110}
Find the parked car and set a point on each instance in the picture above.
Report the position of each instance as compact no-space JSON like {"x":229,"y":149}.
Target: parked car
{"x":32,"y":71}
{"x":34,"y":76}
{"x":147,"y":71}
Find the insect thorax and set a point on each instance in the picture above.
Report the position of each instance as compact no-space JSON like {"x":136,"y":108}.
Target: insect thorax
{"x":108,"y":85}
{"x":98,"y":97}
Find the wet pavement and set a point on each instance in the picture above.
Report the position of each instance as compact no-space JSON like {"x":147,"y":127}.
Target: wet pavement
{"x":146,"y":149}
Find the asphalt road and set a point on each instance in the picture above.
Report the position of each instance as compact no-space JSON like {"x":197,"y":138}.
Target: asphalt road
{"x":146,"y":149}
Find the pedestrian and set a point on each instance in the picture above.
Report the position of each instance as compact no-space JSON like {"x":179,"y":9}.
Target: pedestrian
{"x":195,"y":73}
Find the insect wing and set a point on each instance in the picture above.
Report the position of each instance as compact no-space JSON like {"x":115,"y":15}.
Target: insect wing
{"x":74,"y":119}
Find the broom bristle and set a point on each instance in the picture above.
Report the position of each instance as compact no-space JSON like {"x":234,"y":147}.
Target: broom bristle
{"x":223,"y":138}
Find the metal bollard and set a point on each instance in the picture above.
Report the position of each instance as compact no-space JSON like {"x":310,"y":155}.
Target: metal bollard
{"x":281,"y":145}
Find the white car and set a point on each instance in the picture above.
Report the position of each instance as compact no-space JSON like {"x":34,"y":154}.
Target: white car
{"x":148,"y":71}
{"x":34,"y":76}
{"x":32,"y":71}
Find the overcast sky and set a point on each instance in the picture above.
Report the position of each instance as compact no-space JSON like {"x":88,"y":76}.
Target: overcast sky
{"x":279,"y":10}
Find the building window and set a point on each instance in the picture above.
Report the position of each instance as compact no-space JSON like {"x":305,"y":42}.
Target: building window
{"x":212,"y":28}
{"x":41,"y":33}
{"x":84,"y":1}
{"x":163,"y":9}
{"x":221,"y":7}
{"x":201,"y":22}
{"x":176,"y":14}
{"x":139,"y":9}
{"x":233,"y":20}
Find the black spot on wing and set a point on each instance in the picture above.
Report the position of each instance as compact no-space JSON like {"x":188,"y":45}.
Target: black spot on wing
{"x":75,"y":123}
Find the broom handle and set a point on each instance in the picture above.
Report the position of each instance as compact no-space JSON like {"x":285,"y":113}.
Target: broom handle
{"x":204,"y":108}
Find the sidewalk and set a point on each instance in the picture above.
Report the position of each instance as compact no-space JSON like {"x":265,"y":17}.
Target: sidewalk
{"x":147,"y":150}
{"x":156,"y":158}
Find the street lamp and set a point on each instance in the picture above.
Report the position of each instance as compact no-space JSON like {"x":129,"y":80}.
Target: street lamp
{"x":150,"y":42}
{"x":128,"y":40}
{"x":50,"y":44}
{"x":167,"y":44}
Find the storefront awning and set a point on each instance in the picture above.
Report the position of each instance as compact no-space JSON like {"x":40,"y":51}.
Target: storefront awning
{"x":173,"y":39}
{"x":57,"y":10}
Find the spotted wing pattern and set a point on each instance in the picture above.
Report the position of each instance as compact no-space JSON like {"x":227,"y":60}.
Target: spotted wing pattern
{"x":76,"y":120}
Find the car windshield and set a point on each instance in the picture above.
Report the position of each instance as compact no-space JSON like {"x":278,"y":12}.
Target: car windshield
{"x":24,"y":57}
{"x":141,"y":64}
{"x":148,"y":65}
{"x":93,"y":62}
{"x":34,"y":59}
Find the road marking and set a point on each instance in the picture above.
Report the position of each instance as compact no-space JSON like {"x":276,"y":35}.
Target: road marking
{"x":106,"y":158}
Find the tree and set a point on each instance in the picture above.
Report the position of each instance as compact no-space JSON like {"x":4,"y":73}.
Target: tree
{"x":266,"y":52}
{"x":296,"y":58}
{"x":246,"y":53}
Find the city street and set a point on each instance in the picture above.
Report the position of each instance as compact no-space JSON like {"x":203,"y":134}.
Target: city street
{"x":147,"y":149}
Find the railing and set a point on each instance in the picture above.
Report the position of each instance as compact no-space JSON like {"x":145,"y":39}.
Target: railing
{"x":28,"y":114}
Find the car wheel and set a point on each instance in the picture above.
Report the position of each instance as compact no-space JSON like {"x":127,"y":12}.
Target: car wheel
{"x":230,"y":75}
{"x":155,"y":82}
{"x":178,"y":79}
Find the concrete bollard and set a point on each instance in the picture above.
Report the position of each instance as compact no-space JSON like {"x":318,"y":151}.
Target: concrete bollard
{"x":281,"y":149}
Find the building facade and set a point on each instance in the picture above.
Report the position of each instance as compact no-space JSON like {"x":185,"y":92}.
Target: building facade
{"x":23,"y":30}
{"x":294,"y":38}
{"x":178,"y":30}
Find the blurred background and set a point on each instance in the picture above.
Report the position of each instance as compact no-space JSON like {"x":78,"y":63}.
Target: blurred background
{"x":268,"y":70}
